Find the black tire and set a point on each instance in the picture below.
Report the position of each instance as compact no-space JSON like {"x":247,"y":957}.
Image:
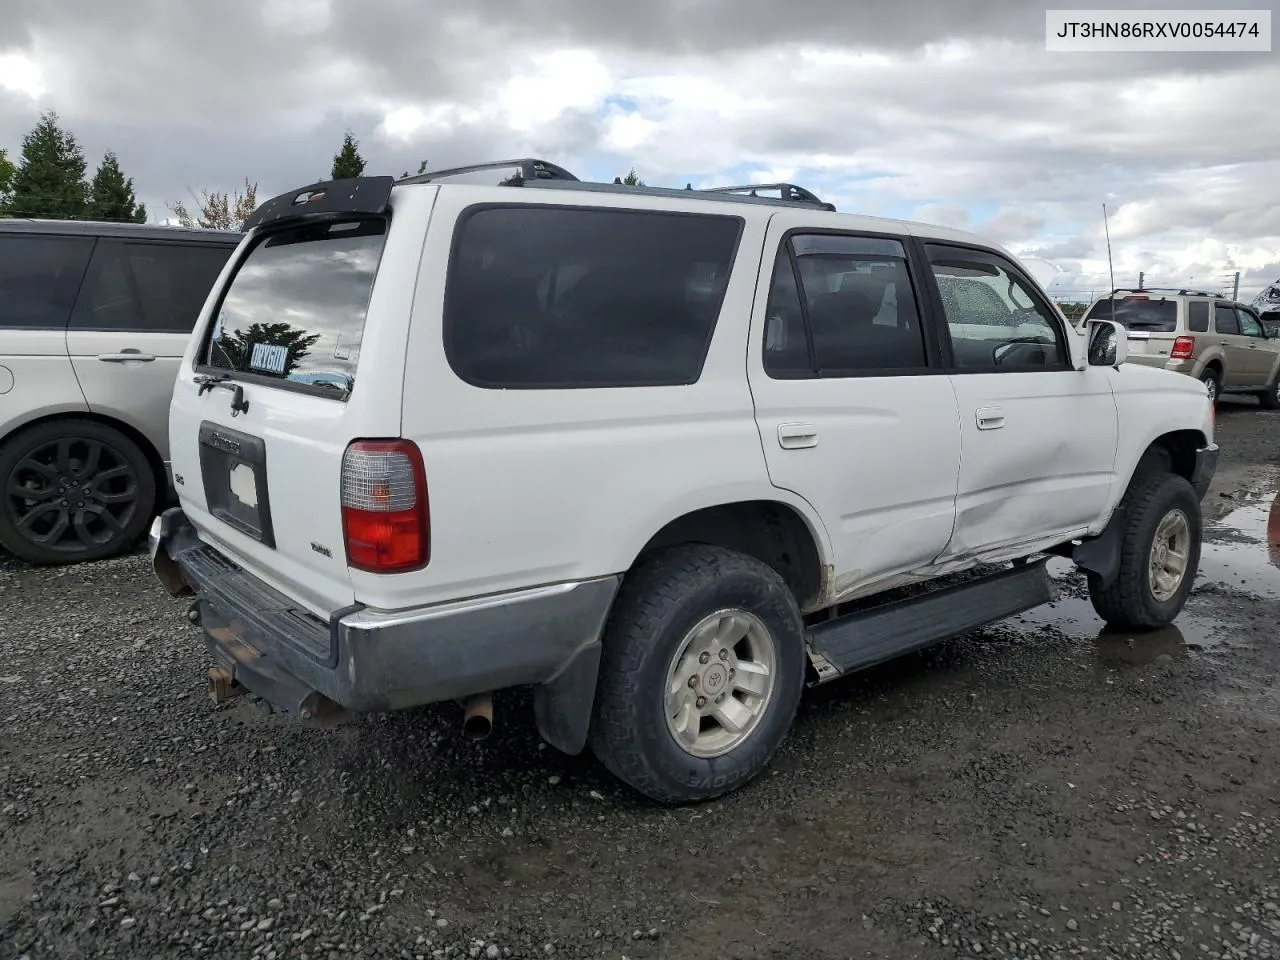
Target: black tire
{"x":658,"y":605}
{"x":1270,"y":398}
{"x":1130,"y":602}
{"x":1212,"y":380}
{"x":92,"y":493}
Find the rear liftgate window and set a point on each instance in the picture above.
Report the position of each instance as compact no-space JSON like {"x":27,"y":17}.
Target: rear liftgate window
{"x":1148,"y":316}
{"x":543,"y":297}
{"x":295,"y":310}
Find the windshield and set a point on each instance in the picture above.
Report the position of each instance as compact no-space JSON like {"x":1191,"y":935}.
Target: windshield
{"x":295,"y":309}
{"x":1151,"y":316}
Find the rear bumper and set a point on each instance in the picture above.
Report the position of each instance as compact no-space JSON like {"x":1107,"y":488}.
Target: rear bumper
{"x":1191,"y":366}
{"x":368,"y":660}
{"x":1205,"y":467}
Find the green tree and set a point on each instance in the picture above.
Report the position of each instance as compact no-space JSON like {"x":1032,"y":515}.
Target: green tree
{"x":237,"y":346}
{"x":631,"y":180}
{"x":218,"y":211}
{"x":50,"y":178}
{"x":422,"y":168}
{"x":111,"y":195}
{"x":7,"y":172}
{"x":347,"y":162}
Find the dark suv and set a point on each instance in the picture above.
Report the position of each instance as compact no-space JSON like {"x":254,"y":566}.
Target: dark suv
{"x":94,"y":318}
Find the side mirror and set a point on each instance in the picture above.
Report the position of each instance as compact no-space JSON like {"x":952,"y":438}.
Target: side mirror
{"x":1108,"y":343}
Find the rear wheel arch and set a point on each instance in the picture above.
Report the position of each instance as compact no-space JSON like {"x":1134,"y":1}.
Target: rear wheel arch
{"x":771,"y":531}
{"x":128,"y":430}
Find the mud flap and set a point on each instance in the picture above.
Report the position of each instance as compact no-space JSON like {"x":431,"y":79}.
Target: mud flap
{"x":1101,"y":555}
{"x":562,"y":705}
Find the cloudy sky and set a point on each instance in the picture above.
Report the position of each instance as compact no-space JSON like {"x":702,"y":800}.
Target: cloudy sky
{"x":948,"y":111}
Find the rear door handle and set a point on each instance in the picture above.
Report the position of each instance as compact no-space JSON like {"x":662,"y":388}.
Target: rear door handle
{"x":126,"y":355}
{"x":797,"y":436}
{"x":989,"y":418}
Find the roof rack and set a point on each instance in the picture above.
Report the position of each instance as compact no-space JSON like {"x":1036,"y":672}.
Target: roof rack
{"x":788,"y":192}
{"x":542,"y":173}
{"x":530,"y":169}
{"x":1178,"y":291}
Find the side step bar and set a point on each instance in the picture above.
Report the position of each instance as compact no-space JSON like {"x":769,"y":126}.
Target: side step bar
{"x":868,"y":637}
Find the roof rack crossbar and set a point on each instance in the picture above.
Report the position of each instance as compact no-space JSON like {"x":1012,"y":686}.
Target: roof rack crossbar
{"x":684,"y":193}
{"x":530,"y":169}
{"x":1179,"y":291}
{"x":790,"y":192}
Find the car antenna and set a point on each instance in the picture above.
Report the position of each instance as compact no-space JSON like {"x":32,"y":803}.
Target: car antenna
{"x":1110,"y":265}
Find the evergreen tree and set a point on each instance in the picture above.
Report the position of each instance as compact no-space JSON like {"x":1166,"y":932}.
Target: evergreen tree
{"x":111,"y":196}
{"x":631,"y":180}
{"x":50,"y":179}
{"x":7,"y":172}
{"x":347,"y":162}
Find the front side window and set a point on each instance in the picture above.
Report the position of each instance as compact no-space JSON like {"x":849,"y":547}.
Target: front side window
{"x":995,"y":318}
{"x":853,"y":311}
{"x":295,"y":309}
{"x":1249,"y":325}
{"x":548,"y":297}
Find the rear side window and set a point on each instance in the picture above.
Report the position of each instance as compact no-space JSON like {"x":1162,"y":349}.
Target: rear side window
{"x":294,"y":311}
{"x":1139,"y":314}
{"x":546,"y":297}
{"x":1198,"y":316}
{"x":1224,"y":319}
{"x":39,"y":277}
{"x":149,"y":287}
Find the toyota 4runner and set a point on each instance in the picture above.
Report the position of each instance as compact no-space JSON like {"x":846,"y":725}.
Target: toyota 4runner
{"x":664,"y":456}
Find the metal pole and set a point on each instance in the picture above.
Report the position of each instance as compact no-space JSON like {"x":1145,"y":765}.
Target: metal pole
{"x":1235,"y":289}
{"x":1141,"y":274}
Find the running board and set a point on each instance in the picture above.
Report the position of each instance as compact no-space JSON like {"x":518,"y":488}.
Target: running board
{"x":868,"y":637}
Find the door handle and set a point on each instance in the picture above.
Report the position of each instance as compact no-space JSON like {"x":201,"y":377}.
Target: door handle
{"x":797,"y":436}
{"x":989,"y":418}
{"x":1223,"y":343}
{"x":126,"y":355}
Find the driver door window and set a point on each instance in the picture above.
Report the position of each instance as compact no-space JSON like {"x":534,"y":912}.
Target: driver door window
{"x":995,"y":318}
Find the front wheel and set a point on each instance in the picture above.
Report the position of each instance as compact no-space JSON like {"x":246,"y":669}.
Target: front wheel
{"x":1159,"y":554}
{"x":701,"y":675}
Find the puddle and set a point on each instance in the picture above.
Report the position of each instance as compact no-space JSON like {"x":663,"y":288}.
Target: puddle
{"x":1074,"y":617}
{"x":1242,"y":550}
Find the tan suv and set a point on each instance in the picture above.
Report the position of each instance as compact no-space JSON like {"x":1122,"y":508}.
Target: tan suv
{"x":1200,"y":334}
{"x":94,"y":318}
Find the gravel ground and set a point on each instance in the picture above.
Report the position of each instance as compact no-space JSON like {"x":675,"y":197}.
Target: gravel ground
{"x":1039,"y":789}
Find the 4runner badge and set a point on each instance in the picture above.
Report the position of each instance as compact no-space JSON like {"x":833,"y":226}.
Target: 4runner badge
{"x":322,"y":550}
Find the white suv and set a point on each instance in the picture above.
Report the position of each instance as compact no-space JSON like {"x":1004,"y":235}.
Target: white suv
{"x":662,"y":455}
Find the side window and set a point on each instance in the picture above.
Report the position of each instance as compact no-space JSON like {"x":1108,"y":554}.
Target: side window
{"x":1224,"y":319}
{"x":1249,"y":324}
{"x":860,"y":307}
{"x":39,"y":277}
{"x":1197,"y":316}
{"x":546,"y":297}
{"x":996,"y":319}
{"x":106,"y":300}
{"x":173,"y":280}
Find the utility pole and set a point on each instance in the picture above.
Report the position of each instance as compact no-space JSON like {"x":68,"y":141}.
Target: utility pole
{"x":1141,"y":274}
{"x":1235,"y":289}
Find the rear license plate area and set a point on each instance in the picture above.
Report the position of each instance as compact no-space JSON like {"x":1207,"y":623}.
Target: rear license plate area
{"x":233,"y":469}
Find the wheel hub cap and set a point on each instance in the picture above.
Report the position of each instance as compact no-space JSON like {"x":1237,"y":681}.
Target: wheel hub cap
{"x":720,"y":683}
{"x":1170,"y":555}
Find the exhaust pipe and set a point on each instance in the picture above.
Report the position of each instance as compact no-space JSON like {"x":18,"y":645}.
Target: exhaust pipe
{"x":477,"y":721}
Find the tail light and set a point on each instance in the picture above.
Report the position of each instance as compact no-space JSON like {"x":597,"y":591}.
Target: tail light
{"x":386,"y":523}
{"x":1183,"y":348}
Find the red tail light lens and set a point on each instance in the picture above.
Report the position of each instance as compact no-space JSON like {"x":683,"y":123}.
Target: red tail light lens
{"x":385,"y":519}
{"x":1183,"y":348}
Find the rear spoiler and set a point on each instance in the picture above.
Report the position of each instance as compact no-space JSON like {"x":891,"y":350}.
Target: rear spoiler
{"x":325,"y":200}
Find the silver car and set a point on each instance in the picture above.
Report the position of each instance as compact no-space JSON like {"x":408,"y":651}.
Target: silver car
{"x":94,"y":318}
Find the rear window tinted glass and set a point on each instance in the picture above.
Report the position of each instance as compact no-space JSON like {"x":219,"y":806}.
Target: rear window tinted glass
{"x":539,"y":297}
{"x":39,"y":277}
{"x":1150,"y":316}
{"x":295,"y":309}
{"x":1198,"y":316}
{"x":151,"y":287}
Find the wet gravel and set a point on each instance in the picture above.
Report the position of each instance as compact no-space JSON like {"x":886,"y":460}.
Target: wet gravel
{"x":1039,"y":789}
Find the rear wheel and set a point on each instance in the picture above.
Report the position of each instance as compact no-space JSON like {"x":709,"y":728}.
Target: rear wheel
{"x":1270,"y":398}
{"x":701,"y":676}
{"x":1159,"y":554}
{"x":72,"y":491}
{"x":1212,"y":380}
